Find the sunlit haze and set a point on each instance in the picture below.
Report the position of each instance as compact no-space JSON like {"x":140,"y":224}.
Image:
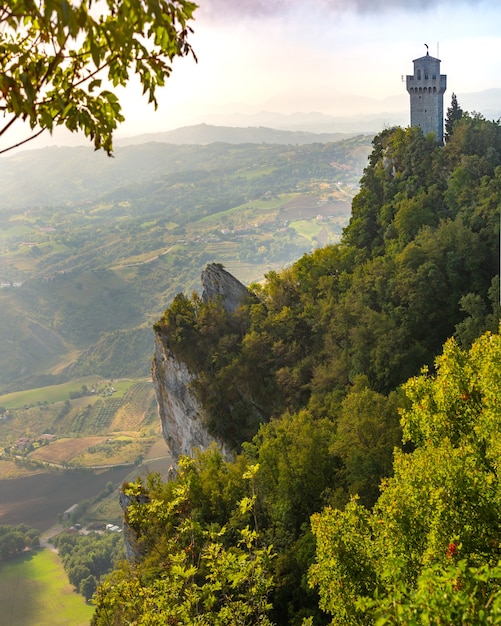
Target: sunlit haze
{"x":293,"y":56}
{"x":336,"y":57}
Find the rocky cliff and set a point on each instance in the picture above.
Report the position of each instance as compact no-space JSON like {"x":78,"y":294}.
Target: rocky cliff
{"x":181,"y":414}
{"x":218,"y":283}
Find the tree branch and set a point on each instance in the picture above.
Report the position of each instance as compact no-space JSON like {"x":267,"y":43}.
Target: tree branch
{"x":8,"y":125}
{"x":20,"y":143}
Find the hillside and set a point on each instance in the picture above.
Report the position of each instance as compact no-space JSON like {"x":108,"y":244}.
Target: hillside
{"x":92,"y":249}
{"x":206,"y":134}
{"x":332,"y":510}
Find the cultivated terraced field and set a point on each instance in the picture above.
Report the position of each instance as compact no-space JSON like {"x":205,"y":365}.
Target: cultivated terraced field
{"x":60,"y":452}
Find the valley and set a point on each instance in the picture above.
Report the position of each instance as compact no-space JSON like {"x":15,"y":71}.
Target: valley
{"x":92,"y":250}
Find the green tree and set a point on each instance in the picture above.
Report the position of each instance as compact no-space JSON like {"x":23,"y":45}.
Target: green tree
{"x":16,"y":539}
{"x":58,"y":59}
{"x":438,"y":515}
{"x":454,"y":113}
{"x":77,"y":574}
{"x":87,"y":587}
{"x":297,"y":475}
{"x":193,"y":573}
{"x":367,"y":432}
{"x":87,"y":559}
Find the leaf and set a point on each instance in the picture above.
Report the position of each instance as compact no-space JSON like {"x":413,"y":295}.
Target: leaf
{"x":120,"y":38}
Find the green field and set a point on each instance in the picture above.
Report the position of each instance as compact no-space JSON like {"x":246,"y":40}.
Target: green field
{"x":59,"y":393}
{"x":306,"y":228}
{"x":35,"y":592}
{"x":253,"y":207}
{"x":52,"y":393}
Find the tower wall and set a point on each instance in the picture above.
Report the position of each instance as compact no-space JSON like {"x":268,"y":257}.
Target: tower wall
{"x":426,"y":88}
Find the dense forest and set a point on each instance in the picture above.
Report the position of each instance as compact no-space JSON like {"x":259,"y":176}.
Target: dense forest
{"x":359,"y":390}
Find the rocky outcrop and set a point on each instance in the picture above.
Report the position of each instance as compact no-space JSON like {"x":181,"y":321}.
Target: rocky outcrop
{"x":218,"y":283}
{"x":181,"y":414}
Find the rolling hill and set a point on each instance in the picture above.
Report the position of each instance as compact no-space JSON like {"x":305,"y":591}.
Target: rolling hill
{"x":93,"y":249}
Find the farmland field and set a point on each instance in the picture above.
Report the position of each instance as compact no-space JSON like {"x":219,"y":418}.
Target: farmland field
{"x":52,"y":393}
{"x":111,"y":409}
{"x":38,"y":500}
{"x":65,"y":450}
{"x":44,"y":474}
{"x":35,"y":592}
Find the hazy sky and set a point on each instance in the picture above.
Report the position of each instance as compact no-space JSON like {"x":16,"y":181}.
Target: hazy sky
{"x":321,"y":55}
{"x":337,"y":57}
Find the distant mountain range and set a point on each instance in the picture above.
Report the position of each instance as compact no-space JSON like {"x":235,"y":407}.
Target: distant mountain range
{"x":369,"y":117}
{"x":301,"y":128}
{"x":204,"y":134}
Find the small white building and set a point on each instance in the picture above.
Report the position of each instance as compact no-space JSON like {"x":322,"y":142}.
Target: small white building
{"x":68,"y":513}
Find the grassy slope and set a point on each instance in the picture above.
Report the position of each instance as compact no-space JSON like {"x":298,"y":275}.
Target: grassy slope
{"x":35,"y":592}
{"x":51,"y":393}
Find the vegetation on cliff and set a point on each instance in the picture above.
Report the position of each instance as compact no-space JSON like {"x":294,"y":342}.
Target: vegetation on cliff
{"x":308,"y":384}
{"x":415,"y":266}
{"x":428,"y":552}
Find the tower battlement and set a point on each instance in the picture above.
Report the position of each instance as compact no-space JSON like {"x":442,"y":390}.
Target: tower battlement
{"x":426,"y":88}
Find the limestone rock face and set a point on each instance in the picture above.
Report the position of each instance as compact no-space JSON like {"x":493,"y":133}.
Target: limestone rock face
{"x":218,"y":283}
{"x":181,"y":414}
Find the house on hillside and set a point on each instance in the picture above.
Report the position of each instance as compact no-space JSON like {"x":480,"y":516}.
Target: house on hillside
{"x":47,"y":438}
{"x":23,"y":443}
{"x":69,"y":512}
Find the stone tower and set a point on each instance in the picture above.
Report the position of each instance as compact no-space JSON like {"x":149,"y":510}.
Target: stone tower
{"x":426,"y":88}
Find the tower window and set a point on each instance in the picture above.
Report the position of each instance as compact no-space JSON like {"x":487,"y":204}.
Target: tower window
{"x":419,"y":74}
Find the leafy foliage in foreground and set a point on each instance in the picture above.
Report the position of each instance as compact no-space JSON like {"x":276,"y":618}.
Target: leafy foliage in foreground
{"x":57,"y":57}
{"x":428,"y":552}
{"x":194,"y":573}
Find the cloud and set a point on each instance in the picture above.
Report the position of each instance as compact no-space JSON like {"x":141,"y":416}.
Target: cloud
{"x":376,"y":6}
{"x":223,"y":9}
